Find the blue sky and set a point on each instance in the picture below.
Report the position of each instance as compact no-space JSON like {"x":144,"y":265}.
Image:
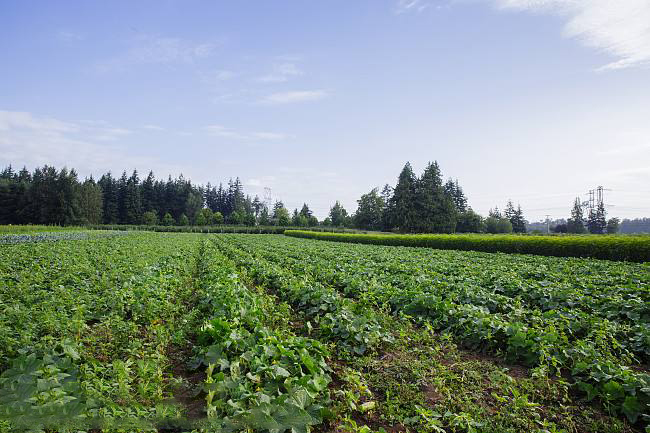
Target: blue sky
{"x":534,"y":100}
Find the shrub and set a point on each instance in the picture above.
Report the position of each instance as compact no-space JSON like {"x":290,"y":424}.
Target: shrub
{"x":630,"y":248}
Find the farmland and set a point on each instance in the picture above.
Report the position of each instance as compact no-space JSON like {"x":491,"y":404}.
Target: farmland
{"x":246,"y":332}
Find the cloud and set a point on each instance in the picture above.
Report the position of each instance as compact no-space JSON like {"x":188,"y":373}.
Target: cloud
{"x":404,"y":6}
{"x":153,"y":127}
{"x":223,"y":75}
{"x":222,"y":131}
{"x":281,"y":73}
{"x":69,"y":36}
{"x":294,"y":97}
{"x":150,"y":49}
{"x":624,"y":150}
{"x":20,"y":120}
{"x":619,"y":28}
{"x":35,"y":140}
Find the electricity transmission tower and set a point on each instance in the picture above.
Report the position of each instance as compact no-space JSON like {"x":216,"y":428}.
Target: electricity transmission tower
{"x":268,"y":198}
{"x":596,"y":197}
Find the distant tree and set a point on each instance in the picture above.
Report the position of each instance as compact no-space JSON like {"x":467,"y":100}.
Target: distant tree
{"x":402,"y":212}
{"x":282,"y":216}
{"x":90,"y":202}
{"x":453,"y":190}
{"x":435,"y":208}
{"x":596,"y":222}
{"x":168,"y":220}
{"x":193,"y":204}
{"x":295,"y":218}
{"x":469,"y":222}
{"x":312,"y":221}
{"x":516,"y":217}
{"x":498,"y":225}
{"x":150,"y":218}
{"x":495,"y":213}
{"x":338,"y":214}
{"x":204,"y":217}
{"x":561,"y":228}
{"x":327,"y":222}
{"x":249,"y":219}
{"x":613,"y":225}
{"x":264,"y":219}
{"x":305,"y":211}
{"x":217,"y":218}
{"x":183,"y":220}
{"x":370,"y":211}
{"x":237,"y":217}
{"x":576,"y":223}
{"x":257,"y":206}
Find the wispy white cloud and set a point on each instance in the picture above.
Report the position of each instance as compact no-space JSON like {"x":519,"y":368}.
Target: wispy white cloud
{"x":620,"y":28}
{"x":222,"y":131}
{"x":404,"y":6}
{"x":69,"y":36}
{"x":20,"y":120}
{"x":152,"y":127}
{"x":625,"y":150}
{"x":150,"y":49}
{"x":282,"y":72}
{"x":294,"y":97}
{"x":223,"y":75}
{"x":91,"y":146}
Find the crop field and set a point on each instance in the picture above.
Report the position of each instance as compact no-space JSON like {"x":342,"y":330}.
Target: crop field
{"x":145,"y":331}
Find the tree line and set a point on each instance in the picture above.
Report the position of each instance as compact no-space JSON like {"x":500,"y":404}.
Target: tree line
{"x":424,"y":204}
{"x":416,"y":204}
{"x":51,"y":196}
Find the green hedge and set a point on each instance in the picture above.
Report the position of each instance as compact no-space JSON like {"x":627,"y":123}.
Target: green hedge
{"x":613,"y":247}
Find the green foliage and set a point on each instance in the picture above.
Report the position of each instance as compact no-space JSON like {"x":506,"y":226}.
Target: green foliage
{"x":495,"y":225}
{"x":613,"y":225}
{"x":168,"y":220}
{"x":370,"y":211}
{"x":469,"y":222}
{"x":630,"y":248}
{"x":150,"y":218}
{"x":217,"y":218}
{"x":576,"y":223}
{"x":511,"y":305}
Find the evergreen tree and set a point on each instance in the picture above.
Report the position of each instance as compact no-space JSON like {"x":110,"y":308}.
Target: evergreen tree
{"x":305,"y":211}
{"x":435,"y":209}
{"x":183,"y":220}
{"x":596,"y":222}
{"x":518,"y":222}
{"x":576,"y":223}
{"x":168,"y":220}
{"x":110,"y":199}
{"x":264,"y":219}
{"x":613,"y":225}
{"x":131,"y":201}
{"x":453,"y":190}
{"x":148,"y":193}
{"x":403,"y":213}
{"x":90,"y":202}
{"x":257,"y":206}
{"x":516,"y":217}
{"x":370,"y":211}
{"x":338,"y":214}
